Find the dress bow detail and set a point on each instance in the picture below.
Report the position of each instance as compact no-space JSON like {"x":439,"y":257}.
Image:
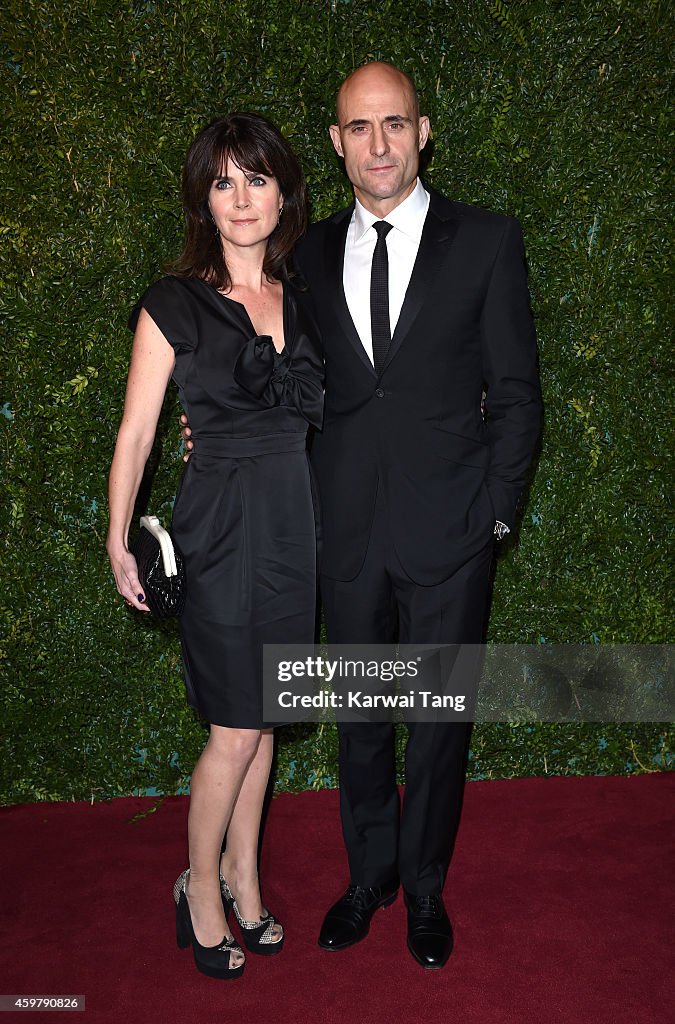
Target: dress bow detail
{"x":283,"y":378}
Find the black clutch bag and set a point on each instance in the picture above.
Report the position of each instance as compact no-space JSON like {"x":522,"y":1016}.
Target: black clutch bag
{"x":161,"y":569}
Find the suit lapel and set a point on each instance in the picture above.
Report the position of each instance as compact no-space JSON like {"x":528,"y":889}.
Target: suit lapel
{"x":336,"y":238}
{"x":438,"y":234}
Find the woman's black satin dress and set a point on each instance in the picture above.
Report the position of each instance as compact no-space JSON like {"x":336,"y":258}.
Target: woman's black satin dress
{"x":244,"y":516}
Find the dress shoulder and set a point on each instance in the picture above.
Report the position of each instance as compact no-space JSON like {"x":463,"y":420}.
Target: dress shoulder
{"x":172,"y":305}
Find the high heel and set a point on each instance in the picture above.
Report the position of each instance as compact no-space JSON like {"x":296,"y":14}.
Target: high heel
{"x":226,"y":896}
{"x":257,"y":935}
{"x":214,"y":961}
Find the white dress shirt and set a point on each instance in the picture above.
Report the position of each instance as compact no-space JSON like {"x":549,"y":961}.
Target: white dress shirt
{"x":403,"y":241}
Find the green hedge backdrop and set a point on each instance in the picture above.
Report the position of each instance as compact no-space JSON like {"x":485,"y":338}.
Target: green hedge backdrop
{"x":553,"y":111}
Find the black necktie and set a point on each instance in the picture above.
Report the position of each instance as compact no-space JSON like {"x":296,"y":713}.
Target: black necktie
{"x":379,"y":297}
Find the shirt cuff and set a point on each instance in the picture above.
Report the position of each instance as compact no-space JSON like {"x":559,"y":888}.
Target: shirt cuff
{"x":500,"y":530}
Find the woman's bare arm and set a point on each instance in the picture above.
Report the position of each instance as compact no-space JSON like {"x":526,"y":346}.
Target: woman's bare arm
{"x":152,"y":362}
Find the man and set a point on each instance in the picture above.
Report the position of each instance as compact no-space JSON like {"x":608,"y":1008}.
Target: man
{"x":422,"y":305}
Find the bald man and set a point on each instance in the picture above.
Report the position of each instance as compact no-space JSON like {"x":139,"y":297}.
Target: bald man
{"x":422,"y":305}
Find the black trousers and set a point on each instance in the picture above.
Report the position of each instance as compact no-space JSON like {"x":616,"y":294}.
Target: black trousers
{"x":381,"y":605}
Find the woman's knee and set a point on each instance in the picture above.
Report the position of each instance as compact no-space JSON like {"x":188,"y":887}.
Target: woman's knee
{"x":239,"y":745}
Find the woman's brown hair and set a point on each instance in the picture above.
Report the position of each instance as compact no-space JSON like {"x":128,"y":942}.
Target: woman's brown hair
{"x":257,"y":146}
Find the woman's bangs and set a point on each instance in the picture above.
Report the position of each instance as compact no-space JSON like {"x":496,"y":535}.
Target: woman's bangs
{"x":246,"y":155}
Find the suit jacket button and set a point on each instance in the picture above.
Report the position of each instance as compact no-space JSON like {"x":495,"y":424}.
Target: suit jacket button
{"x":379,"y":392}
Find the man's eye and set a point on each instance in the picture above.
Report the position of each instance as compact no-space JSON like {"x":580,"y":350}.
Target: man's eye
{"x":359,"y":129}
{"x":395,"y":125}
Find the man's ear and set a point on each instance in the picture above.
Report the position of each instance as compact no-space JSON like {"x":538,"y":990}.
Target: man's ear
{"x":425,"y":131}
{"x":334,"y":132}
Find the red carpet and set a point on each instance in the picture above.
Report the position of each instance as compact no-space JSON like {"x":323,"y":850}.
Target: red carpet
{"x":559,"y":895}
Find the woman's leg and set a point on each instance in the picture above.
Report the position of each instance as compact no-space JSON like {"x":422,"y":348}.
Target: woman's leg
{"x":239,"y":864}
{"x":217,"y":781}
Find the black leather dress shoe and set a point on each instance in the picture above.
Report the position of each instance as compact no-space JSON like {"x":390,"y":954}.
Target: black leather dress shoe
{"x":348,"y":920}
{"x":430,"y":938}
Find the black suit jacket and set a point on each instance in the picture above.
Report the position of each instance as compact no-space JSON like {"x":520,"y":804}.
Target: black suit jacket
{"x":417,"y":429}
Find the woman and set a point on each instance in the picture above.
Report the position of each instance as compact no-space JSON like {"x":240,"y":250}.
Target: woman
{"x":227,"y":328}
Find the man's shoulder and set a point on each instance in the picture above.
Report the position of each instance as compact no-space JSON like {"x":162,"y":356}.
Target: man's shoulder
{"x":336,"y":217}
{"x":318,"y":228}
{"x":312,"y":242}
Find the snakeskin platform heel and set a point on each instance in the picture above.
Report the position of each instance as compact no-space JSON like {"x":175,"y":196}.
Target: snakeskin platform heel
{"x":215,"y":961}
{"x":257,"y":935}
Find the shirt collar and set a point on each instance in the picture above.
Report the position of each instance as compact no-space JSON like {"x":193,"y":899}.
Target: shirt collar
{"x":408,"y":216}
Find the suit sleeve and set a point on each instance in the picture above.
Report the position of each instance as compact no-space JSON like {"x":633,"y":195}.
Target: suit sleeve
{"x":509,"y":354}
{"x":305,"y":264}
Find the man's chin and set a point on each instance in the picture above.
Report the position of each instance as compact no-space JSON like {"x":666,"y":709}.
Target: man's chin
{"x":388,"y":189}
{"x":385,"y":182}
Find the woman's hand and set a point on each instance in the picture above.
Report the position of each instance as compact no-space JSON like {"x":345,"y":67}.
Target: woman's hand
{"x":125,"y":572}
{"x":185,"y":434}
